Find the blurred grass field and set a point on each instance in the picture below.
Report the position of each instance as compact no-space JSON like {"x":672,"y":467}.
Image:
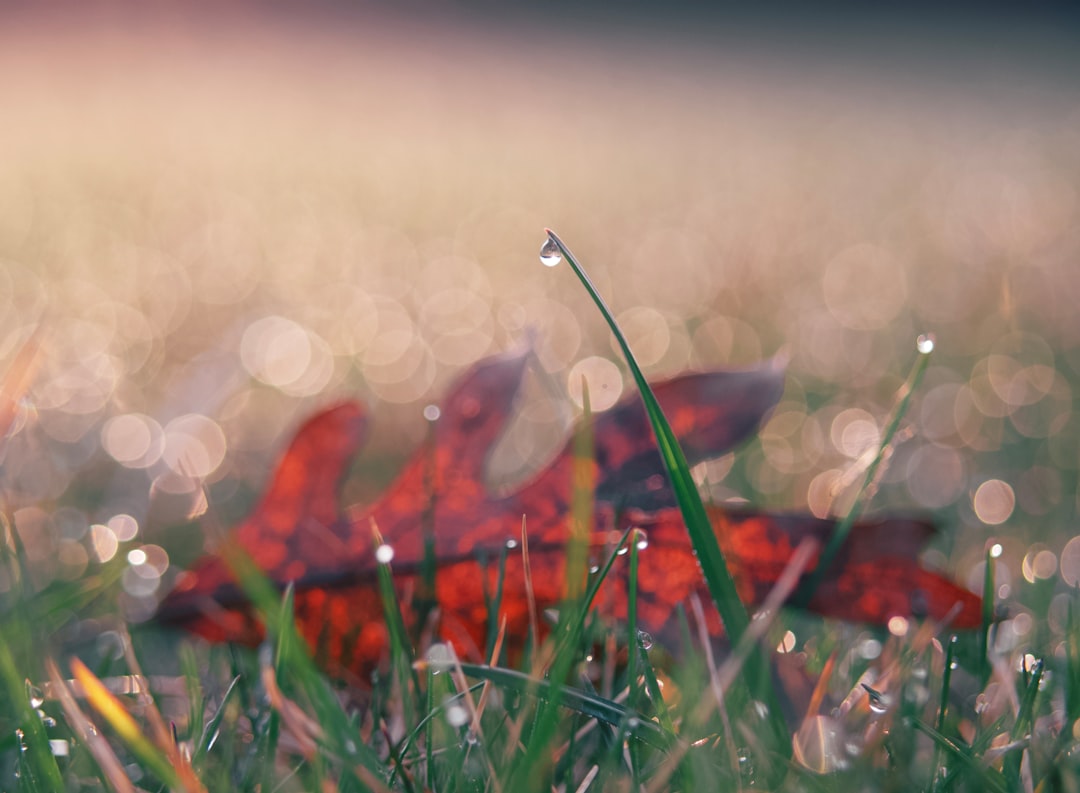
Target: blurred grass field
{"x":221,"y":225}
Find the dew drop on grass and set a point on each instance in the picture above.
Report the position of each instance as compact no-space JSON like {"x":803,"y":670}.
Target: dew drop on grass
{"x":645,"y":640}
{"x":34,"y":694}
{"x":511,"y":544}
{"x":456,"y":715}
{"x":550,"y":255}
{"x":384,"y":554}
{"x":925,"y":343}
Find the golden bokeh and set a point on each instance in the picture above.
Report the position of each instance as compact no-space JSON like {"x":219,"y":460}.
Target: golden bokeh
{"x":220,"y":233}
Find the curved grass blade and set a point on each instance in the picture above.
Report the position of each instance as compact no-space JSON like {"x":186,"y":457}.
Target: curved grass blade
{"x":711,"y":560}
{"x":604,"y":710}
{"x":989,"y":779}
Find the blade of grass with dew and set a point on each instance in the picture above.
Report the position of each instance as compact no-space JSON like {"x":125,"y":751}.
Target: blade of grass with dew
{"x":842,"y":529}
{"x":35,"y":751}
{"x":632,"y":643}
{"x":631,"y":626}
{"x":943,"y":707}
{"x":987,"y":619}
{"x":493,"y":604}
{"x":711,"y":560}
{"x":401,"y":652}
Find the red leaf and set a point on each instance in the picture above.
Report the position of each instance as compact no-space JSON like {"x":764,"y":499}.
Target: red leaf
{"x":298,"y":532}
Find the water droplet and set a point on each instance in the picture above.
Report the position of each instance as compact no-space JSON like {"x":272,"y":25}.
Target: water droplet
{"x":34,"y":694}
{"x":995,"y":550}
{"x":925,"y":343}
{"x":457,"y":715}
{"x":642,"y":540}
{"x":645,"y":640}
{"x":384,"y":553}
{"x":594,"y":569}
{"x":550,"y":255}
{"x":440,"y":658}
{"x":48,"y":721}
{"x":623,"y":551}
{"x":432,"y":412}
{"x":633,"y":723}
{"x":878,"y":702}
{"x":511,"y":544}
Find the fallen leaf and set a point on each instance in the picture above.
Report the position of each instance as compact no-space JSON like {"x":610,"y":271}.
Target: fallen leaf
{"x":299,"y":533}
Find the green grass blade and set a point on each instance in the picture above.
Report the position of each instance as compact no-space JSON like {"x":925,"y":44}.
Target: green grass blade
{"x":711,"y":560}
{"x":401,"y":652}
{"x":987,"y":619}
{"x":604,"y":710}
{"x":632,"y":641}
{"x":988,"y":778}
{"x":943,"y":706}
{"x":1025,"y":718}
{"x":213,"y":726}
{"x":840,"y":533}
{"x":35,"y":757}
{"x":1072,"y":667}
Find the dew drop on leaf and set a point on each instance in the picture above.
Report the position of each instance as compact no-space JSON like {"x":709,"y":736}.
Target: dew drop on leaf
{"x":925,"y":343}
{"x":384,"y":554}
{"x":550,"y":255}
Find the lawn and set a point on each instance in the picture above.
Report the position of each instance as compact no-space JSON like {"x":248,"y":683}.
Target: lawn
{"x":210,"y":230}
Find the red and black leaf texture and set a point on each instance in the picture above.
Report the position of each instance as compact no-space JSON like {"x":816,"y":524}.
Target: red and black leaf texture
{"x":300,"y":533}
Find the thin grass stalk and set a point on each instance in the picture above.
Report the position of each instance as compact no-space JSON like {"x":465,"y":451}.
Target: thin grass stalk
{"x":711,"y":560}
{"x":843,"y":528}
{"x":210,"y":729}
{"x":1025,"y":719}
{"x":943,"y":707}
{"x":987,"y":620}
{"x":401,"y":653}
{"x":631,"y":626}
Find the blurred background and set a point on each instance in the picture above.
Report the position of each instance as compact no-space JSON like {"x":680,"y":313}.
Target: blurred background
{"x":225,"y":218}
